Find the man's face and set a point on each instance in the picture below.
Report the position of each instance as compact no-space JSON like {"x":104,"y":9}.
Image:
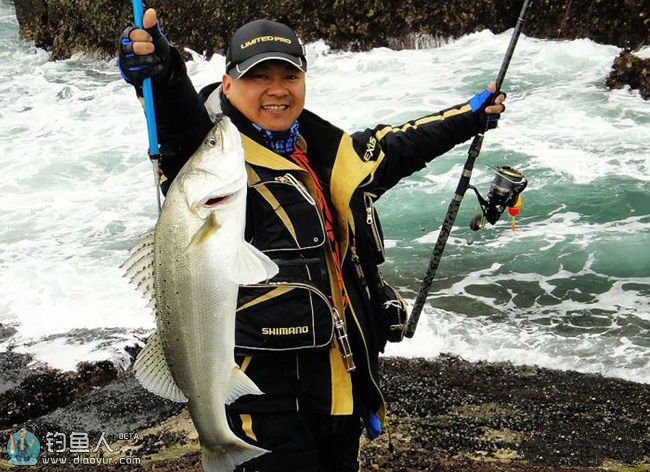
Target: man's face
{"x":271,"y":94}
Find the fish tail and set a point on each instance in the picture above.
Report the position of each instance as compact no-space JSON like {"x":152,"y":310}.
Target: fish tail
{"x":228,"y":456}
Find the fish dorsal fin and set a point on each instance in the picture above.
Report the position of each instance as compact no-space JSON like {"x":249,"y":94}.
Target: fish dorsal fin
{"x":139,"y":266}
{"x":152,"y":372}
{"x":240,"y":384}
{"x":251,"y":265}
{"x":143,"y":247}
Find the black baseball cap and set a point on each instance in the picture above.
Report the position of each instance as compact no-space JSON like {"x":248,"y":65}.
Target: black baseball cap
{"x":263,"y":40}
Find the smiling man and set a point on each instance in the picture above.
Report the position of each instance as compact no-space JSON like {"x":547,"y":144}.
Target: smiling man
{"x":265,"y":76}
{"x":310,"y":337}
{"x":271,"y":94}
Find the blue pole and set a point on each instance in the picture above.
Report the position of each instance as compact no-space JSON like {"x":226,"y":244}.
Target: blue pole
{"x":149,"y":111}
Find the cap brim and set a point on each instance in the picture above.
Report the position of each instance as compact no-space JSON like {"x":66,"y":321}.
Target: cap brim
{"x":241,"y":69}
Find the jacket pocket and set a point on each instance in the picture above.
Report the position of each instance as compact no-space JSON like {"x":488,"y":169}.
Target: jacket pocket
{"x":294,"y":267}
{"x":283,"y":316}
{"x":284,"y":216}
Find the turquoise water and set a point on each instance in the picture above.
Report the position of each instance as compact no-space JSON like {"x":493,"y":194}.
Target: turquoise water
{"x":568,"y":289}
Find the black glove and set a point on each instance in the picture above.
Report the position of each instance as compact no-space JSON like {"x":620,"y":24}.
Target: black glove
{"x":135,"y":68}
{"x":484,"y":99}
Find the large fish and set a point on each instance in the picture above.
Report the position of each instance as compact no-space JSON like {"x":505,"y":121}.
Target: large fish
{"x":190,"y":265}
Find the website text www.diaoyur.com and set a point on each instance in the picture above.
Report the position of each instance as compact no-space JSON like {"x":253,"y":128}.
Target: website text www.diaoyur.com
{"x":81,"y":460}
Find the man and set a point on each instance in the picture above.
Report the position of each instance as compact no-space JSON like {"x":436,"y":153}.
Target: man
{"x":22,"y":451}
{"x":311,"y":343}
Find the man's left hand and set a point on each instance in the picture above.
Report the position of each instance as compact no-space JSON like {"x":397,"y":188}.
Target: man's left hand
{"x":489,"y":105}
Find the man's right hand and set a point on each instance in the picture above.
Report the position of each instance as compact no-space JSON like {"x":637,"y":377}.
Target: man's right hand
{"x":143,"y":52}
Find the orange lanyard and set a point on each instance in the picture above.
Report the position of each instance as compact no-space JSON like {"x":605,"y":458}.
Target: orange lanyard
{"x":300,"y":158}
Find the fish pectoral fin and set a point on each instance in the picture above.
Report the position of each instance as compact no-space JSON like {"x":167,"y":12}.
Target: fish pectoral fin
{"x":152,"y":371}
{"x":229,"y":455}
{"x":206,"y":231}
{"x":250,"y":265}
{"x":240,"y":384}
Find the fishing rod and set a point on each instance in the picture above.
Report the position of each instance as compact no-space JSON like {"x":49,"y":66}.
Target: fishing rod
{"x":507,"y":185}
{"x":149,"y":111}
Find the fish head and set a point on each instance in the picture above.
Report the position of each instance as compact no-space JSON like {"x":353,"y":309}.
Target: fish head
{"x":215,"y":176}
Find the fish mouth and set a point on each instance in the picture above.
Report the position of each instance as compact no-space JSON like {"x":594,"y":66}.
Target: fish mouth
{"x":203,"y":192}
{"x":213,"y":201}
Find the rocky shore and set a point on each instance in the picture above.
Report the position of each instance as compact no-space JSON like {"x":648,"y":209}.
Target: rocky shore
{"x":65,"y":27}
{"x":631,"y":70}
{"x":445,"y":415}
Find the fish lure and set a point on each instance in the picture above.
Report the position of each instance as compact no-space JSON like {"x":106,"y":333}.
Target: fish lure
{"x":513,"y":211}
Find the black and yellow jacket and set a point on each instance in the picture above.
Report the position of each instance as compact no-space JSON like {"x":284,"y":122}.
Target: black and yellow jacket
{"x":284,"y":334}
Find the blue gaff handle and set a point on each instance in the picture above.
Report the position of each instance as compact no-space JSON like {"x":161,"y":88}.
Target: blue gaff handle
{"x":149,"y":111}
{"x":147,"y":90}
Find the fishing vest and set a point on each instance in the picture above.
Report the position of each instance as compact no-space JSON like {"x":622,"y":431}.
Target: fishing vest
{"x":298,"y":308}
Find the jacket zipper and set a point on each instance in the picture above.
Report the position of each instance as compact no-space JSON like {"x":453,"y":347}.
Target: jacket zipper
{"x":363,"y":338}
{"x":370,"y":220}
{"x":311,"y":288}
{"x":305,"y":193}
{"x":296,"y":262}
{"x":297,"y":378}
{"x":358,"y":269}
{"x":290,"y":179}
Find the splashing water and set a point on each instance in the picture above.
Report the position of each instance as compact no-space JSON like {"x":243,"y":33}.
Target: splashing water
{"x":569,"y":289}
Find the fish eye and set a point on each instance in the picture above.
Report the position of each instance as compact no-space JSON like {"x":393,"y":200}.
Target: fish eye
{"x":211,"y":142}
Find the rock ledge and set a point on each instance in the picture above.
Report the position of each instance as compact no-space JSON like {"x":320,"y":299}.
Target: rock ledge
{"x":65,"y":26}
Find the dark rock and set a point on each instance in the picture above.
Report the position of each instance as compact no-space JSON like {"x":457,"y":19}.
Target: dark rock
{"x":32,"y":18}
{"x":13,"y":370}
{"x":117,"y":411}
{"x":6,"y":332}
{"x":154,"y":443}
{"x":133,"y":351}
{"x":631,"y":70}
{"x":123,"y":407}
{"x":66,"y":27}
{"x":537,"y":416}
{"x":39,"y":391}
{"x":445,"y":415}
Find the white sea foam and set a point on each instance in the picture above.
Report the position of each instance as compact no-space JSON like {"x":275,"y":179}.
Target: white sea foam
{"x":479,"y":340}
{"x":78,"y":191}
